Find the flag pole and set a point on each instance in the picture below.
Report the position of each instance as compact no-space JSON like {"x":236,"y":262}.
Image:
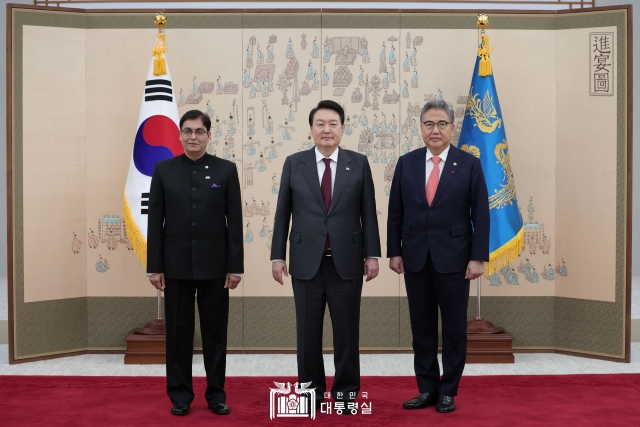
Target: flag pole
{"x":478,"y":316}
{"x":160,"y":306}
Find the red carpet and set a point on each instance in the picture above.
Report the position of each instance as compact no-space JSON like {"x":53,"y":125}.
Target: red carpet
{"x":531,"y":400}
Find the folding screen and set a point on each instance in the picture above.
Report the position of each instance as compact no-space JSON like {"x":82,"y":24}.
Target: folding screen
{"x":76,"y":80}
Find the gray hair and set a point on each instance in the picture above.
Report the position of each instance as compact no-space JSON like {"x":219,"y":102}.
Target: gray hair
{"x":439,"y":104}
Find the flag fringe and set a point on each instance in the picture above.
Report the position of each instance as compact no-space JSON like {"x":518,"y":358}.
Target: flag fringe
{"x":485,"y":68}
{"x":159,"y":63}
{"x":505,"y":254}
{"x":138,"y":241}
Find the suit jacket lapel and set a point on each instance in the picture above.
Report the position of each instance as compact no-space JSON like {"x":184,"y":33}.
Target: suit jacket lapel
{"x":447,"y":173}
{"x":342,"y":176}
{"x":419,"y":166}
{"x":310,"y":173}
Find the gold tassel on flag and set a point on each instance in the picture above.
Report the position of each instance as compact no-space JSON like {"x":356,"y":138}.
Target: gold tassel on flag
{"x":159,"y":64}
{"x":484,"y":49}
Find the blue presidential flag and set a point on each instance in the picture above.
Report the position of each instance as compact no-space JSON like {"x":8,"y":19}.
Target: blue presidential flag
{"x":484,"y":136}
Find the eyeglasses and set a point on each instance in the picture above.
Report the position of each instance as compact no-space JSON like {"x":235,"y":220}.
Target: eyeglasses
{"x":441,"y":124}
{"x":186,"y":133}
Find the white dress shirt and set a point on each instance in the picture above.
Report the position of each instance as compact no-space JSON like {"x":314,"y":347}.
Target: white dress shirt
{"x":430,"y":164}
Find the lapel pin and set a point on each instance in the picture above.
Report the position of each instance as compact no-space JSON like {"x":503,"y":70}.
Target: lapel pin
{"x":452,"y":172}
{"x":455,"y":164}
{"x":206,"y":177}
{"x":206,"y":167}
{"x":348,"y":169}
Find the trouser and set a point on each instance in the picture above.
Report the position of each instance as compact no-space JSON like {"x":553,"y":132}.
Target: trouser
{"x":343,"y":298}
{"x":427,"y":290}
{"x":213,"y":308}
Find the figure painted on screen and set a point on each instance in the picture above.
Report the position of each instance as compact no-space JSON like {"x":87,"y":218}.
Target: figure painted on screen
{"x":512,"y":278}
{"x":260,"y":55}
{"x":102,"y":265}
{"x":326,"y":55}
{"x":250,"y":145}
{"x":275,"y":185}
{"x":405,"y":90}
{"x":246,"y":79}
{"x":548,"y":273}
{"x":248,"y":237}
{"x":412,"y":59}
{"x":269,"y":125}
{"x":393,"y":127}
{"x":272,"y":151}
{"x":414,"y":79}
{"x":325,"y":76}
{"x":220,"y":86}
{"x":291,"y":118}
{"x":194,"y":85}
{"x":251,"y":127}
{"x":226,"y":150}
{"x":383,"y":54}
{"x":261,"y":164}
{"x":495,"y":279}
{"x":264,"y":229}
{"x":363,"y":118}
{"x":374,"y":124}
{"x":93,"y":240}
{"x":216,"y":129}
{"x":286,"y":130}
{"x":383,"y":127}
{"x":290,"y":53}
{"x":392,"y":76}
{"x":75,"y":244}
{"x":348,"y":129}
{"x":392,"y":55}
{"x":365,"y":56}
{"x":269,"y":54}
{"x":315,"y":49}
{"x":210,"y":111}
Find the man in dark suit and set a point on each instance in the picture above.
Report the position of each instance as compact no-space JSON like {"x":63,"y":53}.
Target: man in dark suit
{"x":438,"y":237}
{"x":195,"y":246}
{"x":328,"y":194}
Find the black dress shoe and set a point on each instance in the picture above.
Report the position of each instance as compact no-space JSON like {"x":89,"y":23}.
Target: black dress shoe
{"x":219,"y":408}
{"x":445,"y":404}
{"x":180,"y":409}
{"x":421,"y":401}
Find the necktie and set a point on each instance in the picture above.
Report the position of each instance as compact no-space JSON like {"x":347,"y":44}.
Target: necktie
{"x":432,"y":182}
{"x":325,"y":188}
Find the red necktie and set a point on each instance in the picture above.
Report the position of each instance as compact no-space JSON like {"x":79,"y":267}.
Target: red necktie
{"x":325,"y":188}
{"x":432,"y":182}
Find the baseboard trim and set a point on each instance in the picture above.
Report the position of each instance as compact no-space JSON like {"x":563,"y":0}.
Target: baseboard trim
{"x":635,"y":330}
{"x":4,"y":332}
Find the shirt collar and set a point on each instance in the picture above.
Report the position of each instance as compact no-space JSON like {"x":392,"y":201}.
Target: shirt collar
{"x":333,"y":156}
{"x":443,"y":155}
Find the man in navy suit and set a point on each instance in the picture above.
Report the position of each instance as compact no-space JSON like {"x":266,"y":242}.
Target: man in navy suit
{"x":438,"y":237}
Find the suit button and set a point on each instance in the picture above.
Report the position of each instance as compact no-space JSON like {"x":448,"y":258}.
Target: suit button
{"x":193,"y":188}
{"x":193,"y":205}
{"x":193,"y":223}
{"x":193,"y":241}
{"x":194,"y":172}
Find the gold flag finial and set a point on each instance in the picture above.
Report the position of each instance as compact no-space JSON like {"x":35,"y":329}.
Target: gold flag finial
{"x":484,"y":48}
{"x":482,"y":21}
{"x":160,"y":64}
{"x":160,"y":20}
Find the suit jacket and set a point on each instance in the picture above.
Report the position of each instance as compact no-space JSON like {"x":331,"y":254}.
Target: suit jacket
{"x":351,"y":221}
{"x":195,"y":219}
{"x":455,"y":228}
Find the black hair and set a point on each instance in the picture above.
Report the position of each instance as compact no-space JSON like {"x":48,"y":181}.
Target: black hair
{"x":327,"y":105}
{"x":196,"y":114}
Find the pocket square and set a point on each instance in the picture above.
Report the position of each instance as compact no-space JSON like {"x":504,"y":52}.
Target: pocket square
{"x":214,"y":185}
